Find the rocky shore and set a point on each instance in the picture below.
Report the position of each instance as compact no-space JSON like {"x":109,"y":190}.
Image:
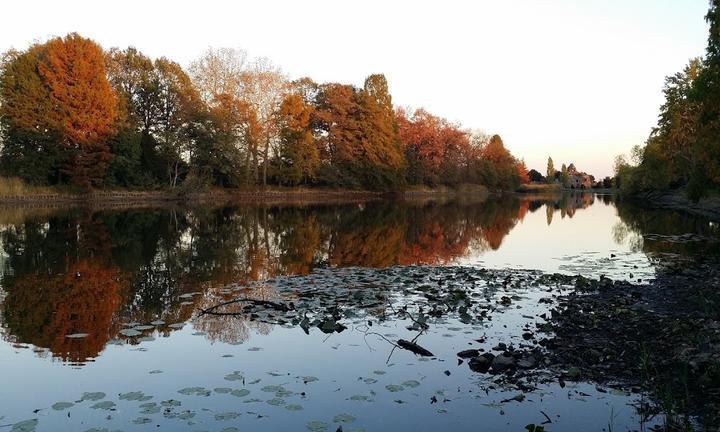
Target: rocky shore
{"x":658,"y":339}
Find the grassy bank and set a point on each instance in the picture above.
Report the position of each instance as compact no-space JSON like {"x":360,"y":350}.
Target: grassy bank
{"x":15,"y":193}
{"x":540,"y":188}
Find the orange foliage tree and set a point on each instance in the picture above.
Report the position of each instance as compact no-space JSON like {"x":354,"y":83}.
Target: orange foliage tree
{"x":73,"y":70}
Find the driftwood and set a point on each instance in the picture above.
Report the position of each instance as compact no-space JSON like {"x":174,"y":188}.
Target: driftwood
{"x":269,"y":304}
{"x":415,"y":348}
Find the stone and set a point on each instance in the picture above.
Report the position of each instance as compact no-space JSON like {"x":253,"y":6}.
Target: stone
{"x":468,"y":353}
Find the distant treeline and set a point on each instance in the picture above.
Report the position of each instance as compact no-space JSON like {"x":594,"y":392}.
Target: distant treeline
{"x":73,"y":114}
{"x":683,"y":150}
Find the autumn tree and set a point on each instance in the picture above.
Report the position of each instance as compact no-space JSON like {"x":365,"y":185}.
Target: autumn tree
{"x":550,"y":173}
{"x":505,"y":164}
{"x":30,"y":147}
{"x":299,"y":155}
{"x":76,"y":107}
{"x":381,"y":150}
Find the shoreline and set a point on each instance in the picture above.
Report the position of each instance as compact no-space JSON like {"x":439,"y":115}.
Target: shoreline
{"x":269,"y":196}
{"x":677,"y":200}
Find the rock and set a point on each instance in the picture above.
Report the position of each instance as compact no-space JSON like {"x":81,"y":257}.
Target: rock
{"x":574,"y":373}
{"x":502,"y":363}
{"x":500,"y":347}
{"x":468,"y":353}
{"x":528,"y":362}
{"x":481,"y":363}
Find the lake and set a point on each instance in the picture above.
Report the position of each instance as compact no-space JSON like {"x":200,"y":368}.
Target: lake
{"x":108,"y":321}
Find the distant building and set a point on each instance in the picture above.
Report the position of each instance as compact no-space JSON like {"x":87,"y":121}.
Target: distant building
{"x":579,"y":180}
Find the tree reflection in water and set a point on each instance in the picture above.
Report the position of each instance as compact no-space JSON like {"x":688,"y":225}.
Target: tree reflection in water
{"x":80,"y":271}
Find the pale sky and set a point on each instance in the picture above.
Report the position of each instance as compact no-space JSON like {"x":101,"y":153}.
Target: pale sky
{"x":579,"y":80}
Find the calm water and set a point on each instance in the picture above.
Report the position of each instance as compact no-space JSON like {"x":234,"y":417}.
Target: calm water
{"x":95,"y":275}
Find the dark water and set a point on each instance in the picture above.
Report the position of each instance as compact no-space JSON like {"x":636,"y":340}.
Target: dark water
{"x":73,"y":282}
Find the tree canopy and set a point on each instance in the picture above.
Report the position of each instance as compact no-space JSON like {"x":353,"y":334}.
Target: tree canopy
{"x":71,"y":113}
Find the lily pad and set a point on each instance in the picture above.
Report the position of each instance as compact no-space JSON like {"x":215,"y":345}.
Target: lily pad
{"x":276,"y":402}
{"x":240,"y":392}
{"x":142,"y":420}
{"x":235,"y":376}
{"x":230,"y":415}
{"x":59,"y":406}
{"x":293,"y":407}
{"x":317,"y":426}
{"x":194,"y":391}
{"x":92,"y":396}
{"x":25,"y":426}
{"x":130,"y":332}
{"x":394,"y":388}
{"x":343,"y":418}
{"x":132,"y":396}
{"x":104,"y":405}
{"x":411,"y":383}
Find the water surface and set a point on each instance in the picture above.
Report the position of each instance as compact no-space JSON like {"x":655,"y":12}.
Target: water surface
{"x":105,"y":303}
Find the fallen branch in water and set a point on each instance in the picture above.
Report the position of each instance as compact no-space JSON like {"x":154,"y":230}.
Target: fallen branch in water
{"x":415,"y":348}
{"x":270,"y":304}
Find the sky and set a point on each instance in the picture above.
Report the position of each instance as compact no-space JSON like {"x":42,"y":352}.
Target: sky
{"x":578,"y":80}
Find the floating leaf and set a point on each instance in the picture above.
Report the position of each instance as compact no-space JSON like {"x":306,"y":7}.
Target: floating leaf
{"x":230,"y":415}
{"x":92,"y":396}
{"x":411,"y":383}
{"x":196,"y":391}
{"x":240,"y":392}
{"x":130,"y":332}
{"x":142,"y":420}
{"x":317,"y":426}
{"x":343,"y":418}
{"x":25,"y":426}
{"x":394,"y":388}
{"x":104,"y":405}
{"x":293,"y":407}
{"x":235,"y":376}
{"x":59,"y":406}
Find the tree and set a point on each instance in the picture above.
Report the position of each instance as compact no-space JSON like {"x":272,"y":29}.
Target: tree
{"x":299,"y":156}
{"x":379,"y":140}
{"x":29,"y":140}
{"x":535,"y":176}
{"x":57,"y":92}
{"x":522,"y":173}
{"x":73,"y":69}
{"x":219,"y":71}
{"x":178,"y":105}
{"x":564,"y":176}
{"x":262,"y":87}
{"x":550,"y":173}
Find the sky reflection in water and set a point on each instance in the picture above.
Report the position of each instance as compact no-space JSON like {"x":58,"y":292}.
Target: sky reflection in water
{"x":71,"y":272}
